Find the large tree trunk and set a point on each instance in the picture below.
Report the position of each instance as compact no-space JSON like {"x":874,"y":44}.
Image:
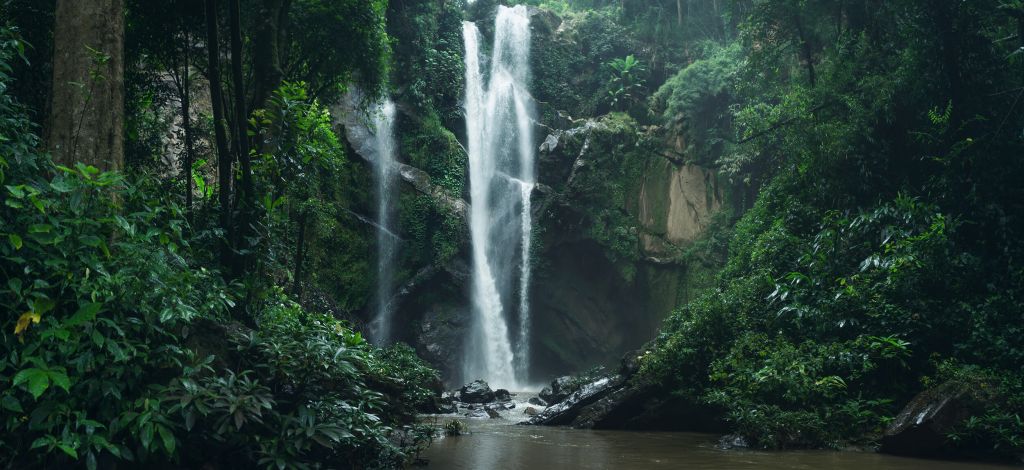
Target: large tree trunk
{"x":805,"y":49}
{"x":87,"y":115}
{"x":223,"y":156}
{"x":267,"y":73}
{"x":246,"y":196}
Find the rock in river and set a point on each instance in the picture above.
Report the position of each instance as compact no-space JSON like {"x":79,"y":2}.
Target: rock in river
{"x":921,"y":428}
{"x":558,"y":391}
{"x":569,"y":408}
{"x":476,"y":391}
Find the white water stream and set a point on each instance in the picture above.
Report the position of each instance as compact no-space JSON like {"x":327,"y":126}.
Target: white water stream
{"x":499,"y":126}
{"x":387,"y":242}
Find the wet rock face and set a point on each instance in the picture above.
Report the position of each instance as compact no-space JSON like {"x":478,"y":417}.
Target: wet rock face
{"x":558,"y":390}
{"x":502,"y":395}
{"x":921,"y":428}
{"x":568,"y":409}
{"x":476,"y":391}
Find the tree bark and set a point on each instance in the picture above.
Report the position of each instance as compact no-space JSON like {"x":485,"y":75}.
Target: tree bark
{"x":87,"y":114}
{"x":267,"y":73}
{"x":245,"y":196}
{"x":805,"y":48}
{"x":223,"y":156}
{"x":186,"y":102}
{"x":300,"y":247}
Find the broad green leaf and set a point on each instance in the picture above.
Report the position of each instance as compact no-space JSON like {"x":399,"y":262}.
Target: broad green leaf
{"x":167,"y":437}
{"x":86,"y":313}
{"x":68,"y":450}
{"x":16,"y":241}
{"x":147,"y":435}
{"x":10,"y":403}
{"x":38,"y":382}
{"x":60,"y":379}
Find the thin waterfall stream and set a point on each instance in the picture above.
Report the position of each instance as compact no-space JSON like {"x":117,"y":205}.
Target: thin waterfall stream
{"x":387,"y":242}
{"x":499,"y":127}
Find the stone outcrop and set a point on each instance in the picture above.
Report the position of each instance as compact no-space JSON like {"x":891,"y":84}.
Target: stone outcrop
{"x":675,"y":205}
{"x":921,"y":428}
{"x":476,"y":391}
{"x":624,"y":401}
{"x":559,"y":390}
{"x":593,"y":304}
{"x":565,"y":412}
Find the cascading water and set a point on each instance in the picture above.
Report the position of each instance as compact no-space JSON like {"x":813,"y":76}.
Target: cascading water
{"x":387,"y":242}
{"x":499,"y":127}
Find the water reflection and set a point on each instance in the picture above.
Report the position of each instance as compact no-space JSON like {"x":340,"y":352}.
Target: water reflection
{"x":500,"y":444}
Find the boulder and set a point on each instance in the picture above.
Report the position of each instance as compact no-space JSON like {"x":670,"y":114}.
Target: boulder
{"x":530,"y":411}
{"x":476,"y":391}
{"x":476,"y":414}
{"x":920,"y":430}
{"x":538,"y":401}
{"x":568,"y":409}
{"x":492,"y":413}
{"x":502,"y":395}
{"x":560,"y":389}
{"x":732,"y":441}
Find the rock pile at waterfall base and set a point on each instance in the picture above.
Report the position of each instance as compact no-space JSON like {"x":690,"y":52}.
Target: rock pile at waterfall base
{"x":477,"y":400}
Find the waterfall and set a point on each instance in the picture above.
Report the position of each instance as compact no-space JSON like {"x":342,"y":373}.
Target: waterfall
{"x":499,"y":127}
{"x":387,"y":242}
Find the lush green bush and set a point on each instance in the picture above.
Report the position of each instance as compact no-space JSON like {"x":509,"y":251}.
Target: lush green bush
{"x":119,"y":346}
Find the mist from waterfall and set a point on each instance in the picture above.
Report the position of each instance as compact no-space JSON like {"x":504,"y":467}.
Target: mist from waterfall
{"x":499,"y":127}
{"x":387,"y":241}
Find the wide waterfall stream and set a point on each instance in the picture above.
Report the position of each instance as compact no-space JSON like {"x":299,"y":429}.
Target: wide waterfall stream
{"x":499,"y":128}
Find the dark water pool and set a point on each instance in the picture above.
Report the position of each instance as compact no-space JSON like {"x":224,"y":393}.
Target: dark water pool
{"x":501,"y":444}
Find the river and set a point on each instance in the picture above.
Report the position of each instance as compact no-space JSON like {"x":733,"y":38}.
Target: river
{"x":502,"y":444}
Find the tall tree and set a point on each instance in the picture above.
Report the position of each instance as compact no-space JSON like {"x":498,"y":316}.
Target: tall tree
{"x":87,"y":115}
{"x":273,"y":14}
{"x":246,"y":196}
{"x":223,"y":156}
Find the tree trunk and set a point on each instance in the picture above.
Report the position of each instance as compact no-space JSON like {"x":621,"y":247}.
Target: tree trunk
{"x":266,"y":50}
{"x":186,"y":102}
{"x":87,"y":115}
{"x":300,"y":247}
{"x":223,"y":156}
{"x":245,"y":196}
{"x":805,"y":48}
{"x":679,"y":13}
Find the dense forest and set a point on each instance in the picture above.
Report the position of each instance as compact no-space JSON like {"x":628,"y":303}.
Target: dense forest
{"x":796,"y":222}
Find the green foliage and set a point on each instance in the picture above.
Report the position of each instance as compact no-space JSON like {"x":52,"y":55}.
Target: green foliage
{"x":357,"y":24}
{"x":428,"y":56}
{"x":309,"y":184}
{"x":871,"y":252}
{"x":626,"y":85}
{"x":454,"y":427}
{"x":695,"y":103}
{"x":569,"y":69}
{"x":117,"y":349}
